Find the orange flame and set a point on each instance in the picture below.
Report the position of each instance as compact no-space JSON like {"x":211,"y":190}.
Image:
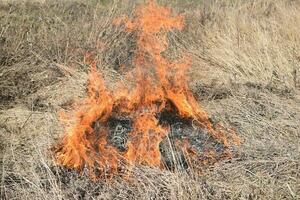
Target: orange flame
{"x":159,"y":85}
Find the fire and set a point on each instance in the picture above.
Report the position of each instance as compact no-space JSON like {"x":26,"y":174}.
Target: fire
{"x":160,"y":85}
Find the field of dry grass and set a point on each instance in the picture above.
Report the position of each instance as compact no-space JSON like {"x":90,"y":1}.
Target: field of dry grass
{"x":245,"y":73}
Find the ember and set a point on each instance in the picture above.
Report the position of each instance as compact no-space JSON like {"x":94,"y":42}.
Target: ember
{"x":160,"y":87}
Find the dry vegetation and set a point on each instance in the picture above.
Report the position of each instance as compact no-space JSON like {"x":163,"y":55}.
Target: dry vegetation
{"x":246,"y":66}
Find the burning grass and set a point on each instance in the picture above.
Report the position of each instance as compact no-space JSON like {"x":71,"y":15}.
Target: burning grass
{"x":160,"y":86}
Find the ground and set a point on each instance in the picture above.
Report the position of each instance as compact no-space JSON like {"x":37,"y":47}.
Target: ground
{"x":245,"y":73}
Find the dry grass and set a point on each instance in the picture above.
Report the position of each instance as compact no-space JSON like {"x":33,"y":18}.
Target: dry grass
{"x":246,"y":67}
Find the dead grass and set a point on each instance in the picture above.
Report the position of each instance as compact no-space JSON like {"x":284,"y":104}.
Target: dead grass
{"x":245,"y":73}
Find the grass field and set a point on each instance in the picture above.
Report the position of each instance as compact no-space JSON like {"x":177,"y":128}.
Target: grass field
{"x":245,"y":73}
